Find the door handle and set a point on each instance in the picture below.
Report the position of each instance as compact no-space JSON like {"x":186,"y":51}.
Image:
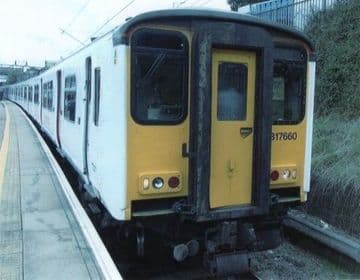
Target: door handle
{"x":184,"y":151}
{"x":231,"y":165}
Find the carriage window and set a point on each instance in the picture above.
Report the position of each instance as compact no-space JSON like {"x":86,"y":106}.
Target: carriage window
{"x":70,"y":98}
{"x":25,"y":93}
{"x":50,"y":95}
{"x":44,"y":95}
{"x":288,"y":93}
{"x":36,"y":94}
{"x":97,"y":95}
{"x":232,"y":91}
{"x":159,"y":77}
{"x":30,"y":94}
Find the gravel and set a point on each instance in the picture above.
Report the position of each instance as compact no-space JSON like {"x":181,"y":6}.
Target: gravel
{"x":290,"y":261}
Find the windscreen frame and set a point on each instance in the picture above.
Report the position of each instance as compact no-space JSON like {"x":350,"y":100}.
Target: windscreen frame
{"x":183,"y":54}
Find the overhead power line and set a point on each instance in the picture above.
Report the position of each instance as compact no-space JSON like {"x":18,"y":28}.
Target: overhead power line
{"x":77,"y":14}
{"x":71,"y":36}
{"x":205,"y":3}
{"x":180,"y":3}
{"x":114,"y":16}
{"x":195,"y":3}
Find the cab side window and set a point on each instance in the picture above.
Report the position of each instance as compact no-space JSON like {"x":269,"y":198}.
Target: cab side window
{"x":289,"y":87}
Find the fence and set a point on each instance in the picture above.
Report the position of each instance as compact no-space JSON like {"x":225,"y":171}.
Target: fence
{"x":294,"y":13}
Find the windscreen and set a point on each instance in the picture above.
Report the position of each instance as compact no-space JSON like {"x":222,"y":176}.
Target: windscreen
{"x":159,"y":77}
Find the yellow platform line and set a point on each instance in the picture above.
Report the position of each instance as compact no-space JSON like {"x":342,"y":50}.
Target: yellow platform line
{"x":4,"y":147}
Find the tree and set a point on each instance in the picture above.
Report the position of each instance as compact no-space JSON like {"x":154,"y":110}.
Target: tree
{"x":336,"y":34}
{"x":13,"y":77}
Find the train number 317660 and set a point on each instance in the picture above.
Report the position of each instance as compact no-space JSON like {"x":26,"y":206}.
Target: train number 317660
{"x":283,"y":136}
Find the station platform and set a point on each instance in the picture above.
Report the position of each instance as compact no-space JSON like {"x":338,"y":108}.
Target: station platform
{"x":41,"y":236}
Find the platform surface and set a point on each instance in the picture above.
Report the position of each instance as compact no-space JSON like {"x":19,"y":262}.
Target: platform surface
{"x":39,"y":235}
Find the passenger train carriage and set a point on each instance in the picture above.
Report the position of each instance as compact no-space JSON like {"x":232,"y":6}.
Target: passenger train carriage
{"x":195,"y":124}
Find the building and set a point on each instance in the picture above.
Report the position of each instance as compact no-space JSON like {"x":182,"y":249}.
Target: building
{"x":11,"y":73}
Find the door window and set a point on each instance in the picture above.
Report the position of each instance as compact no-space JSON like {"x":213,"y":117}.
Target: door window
{"x":70,"y":98}
{"x":97,"y":95}
{"x":232,"y":91}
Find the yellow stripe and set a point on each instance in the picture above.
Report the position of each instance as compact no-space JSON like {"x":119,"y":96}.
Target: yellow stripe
{"x":4,"y":147}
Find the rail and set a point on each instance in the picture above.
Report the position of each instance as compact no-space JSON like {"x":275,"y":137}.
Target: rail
{"x":323,"y":233}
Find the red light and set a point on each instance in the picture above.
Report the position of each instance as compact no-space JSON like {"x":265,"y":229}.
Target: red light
{"x":274,"y":175}
{"x":174,"y":182}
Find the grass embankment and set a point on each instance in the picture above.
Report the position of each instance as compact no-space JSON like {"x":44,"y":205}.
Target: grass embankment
{"x":335,"y":193}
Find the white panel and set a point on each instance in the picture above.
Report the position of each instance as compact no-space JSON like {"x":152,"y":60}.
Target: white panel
{"x":309,"y":123}
{"x":113,"y":111}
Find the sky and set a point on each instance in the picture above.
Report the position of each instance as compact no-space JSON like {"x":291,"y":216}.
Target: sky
{"x":31,"y":30}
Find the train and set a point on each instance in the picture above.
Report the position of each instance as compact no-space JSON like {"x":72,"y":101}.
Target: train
{"x":193,"y":124}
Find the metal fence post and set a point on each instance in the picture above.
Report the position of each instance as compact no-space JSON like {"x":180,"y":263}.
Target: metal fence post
{"x":323,"y":5}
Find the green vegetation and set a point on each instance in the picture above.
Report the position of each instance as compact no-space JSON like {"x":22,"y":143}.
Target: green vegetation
{"x":336,"y":34}
{"x":336,"y":150}
{"x":335,"y":191}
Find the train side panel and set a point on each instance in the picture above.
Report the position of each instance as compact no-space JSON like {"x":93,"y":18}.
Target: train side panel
{"x":107,"y":155}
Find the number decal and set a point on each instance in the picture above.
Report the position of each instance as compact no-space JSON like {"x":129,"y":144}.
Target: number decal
{"x":284,"y":136}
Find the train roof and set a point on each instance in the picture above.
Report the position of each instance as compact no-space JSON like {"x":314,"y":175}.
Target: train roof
{"x":119,"y":35}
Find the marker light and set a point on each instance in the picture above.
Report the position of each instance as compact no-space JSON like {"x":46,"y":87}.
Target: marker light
{"x":146,"y":183}
{"x":293,"y":174}
{"x":274,"y":175}
{"x":174,"y":182}
{"x":158,"y":183}
{"x":286,"y":174}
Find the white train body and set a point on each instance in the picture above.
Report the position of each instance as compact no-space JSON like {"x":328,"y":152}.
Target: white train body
{"x":106,"y":169}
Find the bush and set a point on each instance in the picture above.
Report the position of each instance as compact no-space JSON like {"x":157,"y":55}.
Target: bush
{"x":336,"y":34}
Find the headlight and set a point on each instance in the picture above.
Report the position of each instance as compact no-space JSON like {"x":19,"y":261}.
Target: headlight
{"x":286,"y":174}
{"x":158,"y":183}
{"x":146,"y":183}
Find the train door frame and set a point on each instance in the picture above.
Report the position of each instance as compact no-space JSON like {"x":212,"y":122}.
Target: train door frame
{"x":58,"y":110}
{"x":232,"y":125}
{"x":88,"y":81}
{"x":41,"y":100}
{"x":208,"y":36}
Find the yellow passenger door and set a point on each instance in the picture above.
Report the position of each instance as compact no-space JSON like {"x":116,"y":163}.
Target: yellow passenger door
{"x":233,"y":95}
